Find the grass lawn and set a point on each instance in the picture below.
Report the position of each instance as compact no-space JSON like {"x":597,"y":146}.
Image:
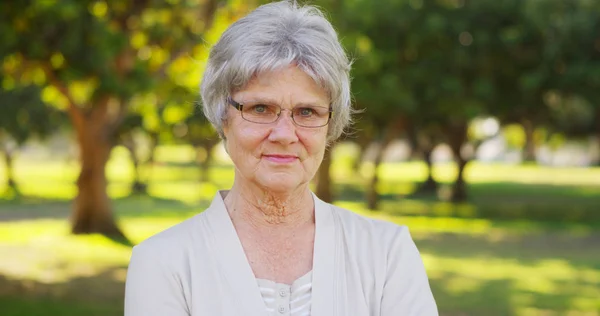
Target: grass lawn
{"x":527,"y":243}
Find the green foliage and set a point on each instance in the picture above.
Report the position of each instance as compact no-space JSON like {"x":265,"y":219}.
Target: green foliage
{"x":25,"y":116}
{"x":112,"y":48}
{"x":428,"y":61}
{"x":440,"y":61}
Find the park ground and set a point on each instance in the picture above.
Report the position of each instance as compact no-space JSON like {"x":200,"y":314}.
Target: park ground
{"x":526,"y":243}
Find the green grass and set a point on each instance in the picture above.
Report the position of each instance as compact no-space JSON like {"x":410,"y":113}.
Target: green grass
{"x":525,"y":244}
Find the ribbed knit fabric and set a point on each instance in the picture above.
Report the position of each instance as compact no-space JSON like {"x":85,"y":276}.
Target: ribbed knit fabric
{"x":287,"y":300}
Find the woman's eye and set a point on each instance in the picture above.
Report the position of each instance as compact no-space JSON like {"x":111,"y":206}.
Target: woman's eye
{"x":306,"y":111}
{"x":260,"y":108}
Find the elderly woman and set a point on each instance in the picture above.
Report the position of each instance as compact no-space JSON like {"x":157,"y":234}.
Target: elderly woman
{"x":277,"y":90}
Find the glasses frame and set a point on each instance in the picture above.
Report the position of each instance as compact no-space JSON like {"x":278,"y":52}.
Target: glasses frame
{"x":240,"y":106}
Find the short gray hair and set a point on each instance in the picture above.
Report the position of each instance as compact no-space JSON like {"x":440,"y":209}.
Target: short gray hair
{"x":272,"y":36}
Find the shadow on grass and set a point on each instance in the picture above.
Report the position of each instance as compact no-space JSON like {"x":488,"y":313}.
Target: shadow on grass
{"x":29,"y":208}
{"x":501,"y":200}
{"x":554,"y":274}
{"x":120,"y":239}
{"x":529,"y":249}
{"x":457,"y":295}
{"x":452,"y":300}
{"x":100,"y":295}
{"x":156,"y":207}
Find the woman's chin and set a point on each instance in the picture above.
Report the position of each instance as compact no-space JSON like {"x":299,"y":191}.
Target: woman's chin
{"x":280,"y":184}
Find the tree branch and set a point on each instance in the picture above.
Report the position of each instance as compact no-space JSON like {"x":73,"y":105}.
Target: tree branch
{"x":75,"y":112}
{"x":137,"y":6}
{"x":119,"y":117}
{"x":105,"y":118}
{"x":208,"y":16}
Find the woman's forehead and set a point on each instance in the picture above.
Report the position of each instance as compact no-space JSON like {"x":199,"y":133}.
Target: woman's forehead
{"x":282,"y":75}
{"x":287,"y":85}
{"x":281,"y":101}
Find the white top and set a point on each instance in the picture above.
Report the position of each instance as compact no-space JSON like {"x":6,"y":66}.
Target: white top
{"x":361,"y":267}
{"x":287,"y":300}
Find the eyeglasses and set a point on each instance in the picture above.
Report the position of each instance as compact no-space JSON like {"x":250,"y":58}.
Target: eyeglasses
{"x":304,"y":116}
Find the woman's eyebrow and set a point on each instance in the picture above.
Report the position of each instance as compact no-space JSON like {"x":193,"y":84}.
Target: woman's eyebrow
{"x":260,"y":100}
{"x":308,"y":104}
{"x":270,"y":101}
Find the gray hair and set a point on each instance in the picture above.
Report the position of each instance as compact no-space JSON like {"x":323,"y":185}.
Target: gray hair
{"x":272,"y":36}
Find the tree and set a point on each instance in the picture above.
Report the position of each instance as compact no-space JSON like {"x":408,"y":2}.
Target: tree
{"x":95,"y":56}
{"x":23,"y":116}
{"x":127,"y":137}
{"x":323,"y":178}
{"x":423,"y":140}
{"x":204,"y":138}
{"x":419,"y":65}
{"x":575,"y":38}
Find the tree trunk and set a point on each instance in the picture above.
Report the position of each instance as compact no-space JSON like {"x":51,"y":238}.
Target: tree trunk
{"x":430,"y":186}
{"x":372,"y":195}
{"x":459,"y":189}
{"x":151,"y":156}
{"x":457,"y":137}
{"x":413,"y":141}
{"x":10,"y":178}
{"x":390,"y":132}
{"x":92,"y":208}
{"x":323,"y":190}
{"x":205,"y":159}
{"x":529,"y":148}
{"x":424,"y":142}
{"x":363,"y":143}
{"x":598,"y":129}
{"x":153,"y":144}
{"x":137,"y":187}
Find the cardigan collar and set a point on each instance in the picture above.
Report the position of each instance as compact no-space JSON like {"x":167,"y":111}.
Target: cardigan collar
{"x":238,"y":273}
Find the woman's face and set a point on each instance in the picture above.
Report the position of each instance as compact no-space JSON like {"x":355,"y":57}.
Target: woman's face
{"x":280,"y":156}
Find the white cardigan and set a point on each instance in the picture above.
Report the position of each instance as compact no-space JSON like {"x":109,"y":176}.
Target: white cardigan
{"x":361,"y":267}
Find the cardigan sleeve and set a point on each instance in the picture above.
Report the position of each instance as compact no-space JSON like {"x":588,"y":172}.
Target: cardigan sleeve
{"x":151,"y":287}
{"x":406,"y":290}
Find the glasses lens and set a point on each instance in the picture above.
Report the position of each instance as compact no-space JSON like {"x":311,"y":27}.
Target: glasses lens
{"x":306,"y":116}
{"x":311,"y":116}
{"x":260,"y":113}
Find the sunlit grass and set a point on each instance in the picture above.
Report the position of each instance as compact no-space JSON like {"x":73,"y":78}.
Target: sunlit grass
{"x":42,"y":251}
{"x":425,"y":224}
{"x":548,"y":284}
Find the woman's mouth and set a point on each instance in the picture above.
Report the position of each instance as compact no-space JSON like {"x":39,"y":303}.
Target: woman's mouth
{"x":280,"y":158}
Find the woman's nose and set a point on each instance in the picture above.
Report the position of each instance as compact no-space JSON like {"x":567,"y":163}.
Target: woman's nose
{"x":284,"y":130}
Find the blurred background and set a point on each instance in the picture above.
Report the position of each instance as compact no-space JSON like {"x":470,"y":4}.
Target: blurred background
{"x":480,"y":130}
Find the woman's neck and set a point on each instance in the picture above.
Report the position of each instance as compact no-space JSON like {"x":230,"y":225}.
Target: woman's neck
{"x":260,"y":208}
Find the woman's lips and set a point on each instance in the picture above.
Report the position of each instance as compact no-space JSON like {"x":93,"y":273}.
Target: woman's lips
{"x":280,"y":158}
